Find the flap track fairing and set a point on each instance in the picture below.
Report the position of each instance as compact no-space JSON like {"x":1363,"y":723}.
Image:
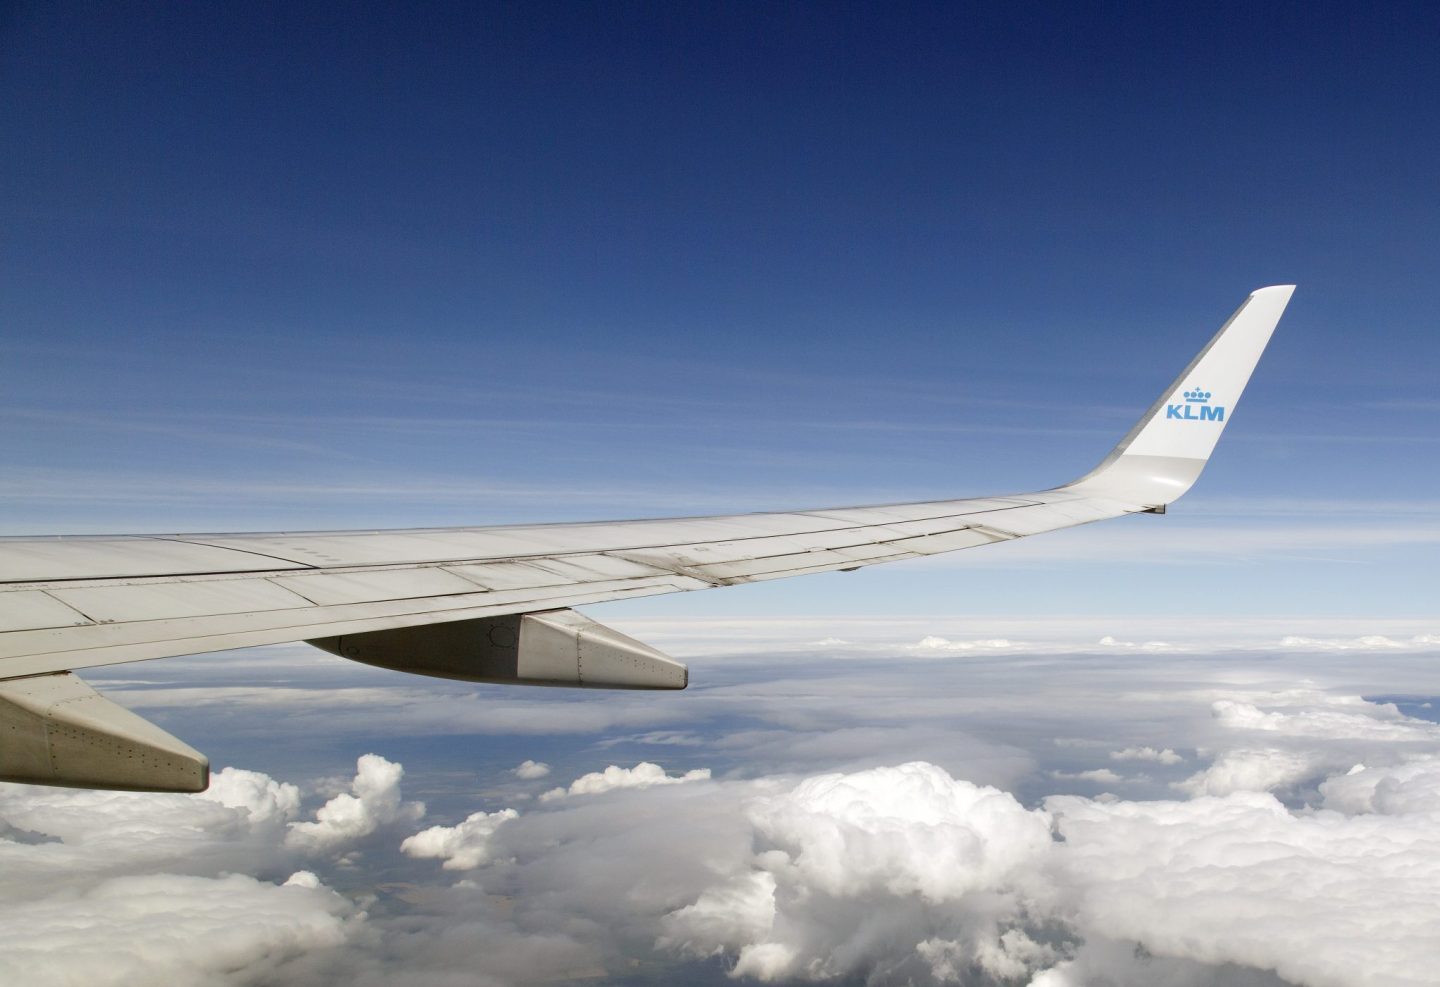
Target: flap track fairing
{"x":56,"y":730}
{"x":552,"y":647}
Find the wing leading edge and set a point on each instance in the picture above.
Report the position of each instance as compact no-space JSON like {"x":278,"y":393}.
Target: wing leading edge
{"x":77,"y":602}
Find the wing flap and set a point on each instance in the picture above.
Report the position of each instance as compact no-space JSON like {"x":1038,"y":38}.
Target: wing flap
{"x":892,"y":513}
{"x":27,"y":653}
{"x":28,"y":610}
{"x":326,"y":589}
{"x":122,"y":557}
{"x":161,"y":601}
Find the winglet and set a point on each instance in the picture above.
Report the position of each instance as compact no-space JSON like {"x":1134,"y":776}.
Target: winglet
{"x":1164,"y":453}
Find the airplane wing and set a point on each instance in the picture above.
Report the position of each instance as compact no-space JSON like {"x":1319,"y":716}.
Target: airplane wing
{"x":491,"y":604}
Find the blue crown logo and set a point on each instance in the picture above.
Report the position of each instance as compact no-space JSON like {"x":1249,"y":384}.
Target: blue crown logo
{"x":1197,"y":396}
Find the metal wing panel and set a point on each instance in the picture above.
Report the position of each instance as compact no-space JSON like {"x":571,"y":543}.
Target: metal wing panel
{"x":466,"y":575}
{"x":112,"y":557}
{"x":164,"y":600}
{"x":365,"y":548}
{"x":945,"y":541}
{"x":1024,"y":521}
{"x":371,"y":548}
{"x":327,"y":589}
{"x":518,"y":575}
{"x":25,"y":653}
{"x":889,"y":513}
{"x":27,"y":610}
{"x":586,"y":568}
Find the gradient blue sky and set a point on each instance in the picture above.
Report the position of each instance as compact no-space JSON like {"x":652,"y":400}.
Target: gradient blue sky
{"x":328,"y":266}
{"x":304,"y":266}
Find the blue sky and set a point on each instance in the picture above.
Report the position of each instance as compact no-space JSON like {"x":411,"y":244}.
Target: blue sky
{"x":295,"y":267}
{"x":300,"y":266}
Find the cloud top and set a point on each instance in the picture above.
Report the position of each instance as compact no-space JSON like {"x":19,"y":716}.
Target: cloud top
{"x":646,"y":774}
{"x":373,"y":801}
{"x":462,"y":847}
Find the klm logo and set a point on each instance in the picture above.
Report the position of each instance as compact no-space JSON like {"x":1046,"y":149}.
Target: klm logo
{"x":1197,"y":408}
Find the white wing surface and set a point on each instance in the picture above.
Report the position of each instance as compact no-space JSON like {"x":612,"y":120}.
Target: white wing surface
{"x":76,"y":602}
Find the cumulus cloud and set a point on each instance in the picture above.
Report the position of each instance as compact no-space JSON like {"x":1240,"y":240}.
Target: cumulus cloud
{"x":1253,"y":770}
{"x":1243,"y":880}
{"x":167,"y":928}
{"x":1111,"y":642}
{"x":119,"y":888}
{"x":1288,"y":739}
{"x":733,"y":915}
{"x":1326,"y":717}
{"x":462,"y":847}
{"x":906,"y":829}
{"x":847,"y":870}
{"x":1412,"y":787}
{"x":237,"y":825}
{"x":846,"y":862}
{"x":262,"y":798}
{"x":935,"y":644}
{"x":644,"y":775}
{"x":1102,"y":775}
{"x":1165,"y":756}
{"x":907,"y":872}
{"x":1007,"y":957}
{"x":1365,"y":642}
{"x":904,"y":873}
{"x":856,"y":830}
{"x":373,"y":801}
{"x":302,"y":879}
{"x":530,"y":770}
{"x":1125,"y":891}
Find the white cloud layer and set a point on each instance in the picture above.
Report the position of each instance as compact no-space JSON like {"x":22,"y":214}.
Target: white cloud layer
{"x":373,"y":801}
{"x":1410,"y":788}
{"x":1296,"y":834}
{"x":262,"y":798}
{"x":910,"y":829}
{"x":1103,"y":776}
{"x":464,"y":846}
{"x":1322,"y":899}
{"x":834,"y":636}
{"x":1252,"y":770}
{"x":646,"y":774}
{"x":167,"y":929}
{"x":933,"y":643}
{"x":1366,"y":642}
{"x":1165,"y":756}
{"x":117,"y":888}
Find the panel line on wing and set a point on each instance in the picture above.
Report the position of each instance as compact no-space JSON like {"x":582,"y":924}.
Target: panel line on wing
{"x":31,"y":609}
{"x":215,"y":633}
{"x":181,"y":540}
